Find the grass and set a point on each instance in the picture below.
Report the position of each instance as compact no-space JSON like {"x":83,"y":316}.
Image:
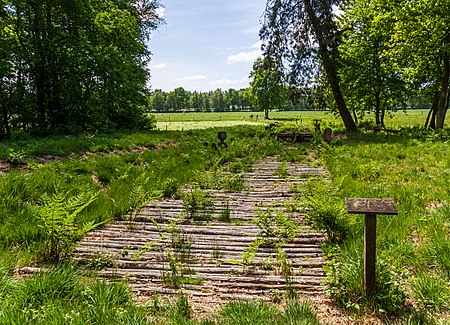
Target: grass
{"x":124,"y":179}
{"x":413,"y":248}
{"x":185,"y":121}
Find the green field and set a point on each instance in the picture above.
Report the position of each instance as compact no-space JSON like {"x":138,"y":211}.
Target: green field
{"x":196,"y":120}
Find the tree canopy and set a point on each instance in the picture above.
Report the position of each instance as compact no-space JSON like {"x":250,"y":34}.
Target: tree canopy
{"x":267,"y":85}
{"x":375,"y":56}
{"x":74,"y":65}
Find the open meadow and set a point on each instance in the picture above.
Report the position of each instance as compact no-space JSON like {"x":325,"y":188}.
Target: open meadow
{"x":199,"y":120}
{"x":55,"y":190}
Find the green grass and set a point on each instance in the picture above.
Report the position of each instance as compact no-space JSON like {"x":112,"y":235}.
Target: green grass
{"x":413,"y":248}
{"x":123,"y":179}
{"x":305,"y":118}
{"x":415,"y":172}
{"x":194,"y":125}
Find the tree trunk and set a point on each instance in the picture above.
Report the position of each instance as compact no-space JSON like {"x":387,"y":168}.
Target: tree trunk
{"x":442,"y":106}
{"x":431,"y":118}
{"x":5,"y":129}
{"x":330,"y":69}
{"x":377,"y":109}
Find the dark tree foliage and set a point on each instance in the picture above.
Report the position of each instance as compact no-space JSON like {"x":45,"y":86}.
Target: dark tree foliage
{"x":74,"y":65}
{"x":303,"y":35}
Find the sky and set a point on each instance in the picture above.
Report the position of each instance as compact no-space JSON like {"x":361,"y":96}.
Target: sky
{"x":206,"y":44}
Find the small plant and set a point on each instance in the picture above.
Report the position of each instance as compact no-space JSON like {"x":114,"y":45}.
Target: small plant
{"x":16,"y":157}
{"x":277,"y":224}
{"x":171,"y":278}
{"x":284,"y":265}
{"x":196,"y":204}
{"x":249,"y":254}
{"x":267,"y":264}
{"x":300,"y":313}
{"x":225,"y":214}
{"x":176,"y":275}
{"x":216,"y":252}
{"x":282,"y":171}
{"x":101,"y":261}
{"x":249,"y":312}
{"x":170,"y":188}
{"x":138,"y":194}
{"x":147,"y":247}
{"x":181,"y":244}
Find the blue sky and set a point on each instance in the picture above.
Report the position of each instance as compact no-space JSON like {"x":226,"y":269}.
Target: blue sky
{"x":206,"y":44}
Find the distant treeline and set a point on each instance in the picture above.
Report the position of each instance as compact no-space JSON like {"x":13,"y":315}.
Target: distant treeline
{"x":233,"y":100}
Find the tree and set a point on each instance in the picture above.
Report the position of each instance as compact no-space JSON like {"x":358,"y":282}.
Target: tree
{"x":158,"y":101}
{"x":302,"y":34}
{"x":77,"y":65}
{"x":218,"y":100}
{"x":266,"y":85}
{"x":371,"y":82}
{"x":421,"y":47}
{"x":195,"y":101}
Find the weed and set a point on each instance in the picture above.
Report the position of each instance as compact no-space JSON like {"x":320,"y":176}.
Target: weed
{"x":300,"y":313}
{"x":181,"y":244}
{"x":138,"y":194}
{"x":284,"y":265}
{"x":250,"y":312}
{"x":277,"y":224}
{"x":196,"y":204}
{"x":146,"y":248}
{"x":216,"y":252}
{"x":431,"y":292}
{"x":225,"y":214}
{"x":325,"y":210}
{"x":102,"y":260}
{"x":345,"y":274}
{"x":267,"y":264}
{"x":282,"y":171}
{"x":170,"y":188}
{"x":249,"y":254}
{"x":16,"y":157}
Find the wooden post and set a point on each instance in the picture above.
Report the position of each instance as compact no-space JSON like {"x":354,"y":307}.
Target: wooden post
{"x":370,"y":255}
{"x":370,"y":208}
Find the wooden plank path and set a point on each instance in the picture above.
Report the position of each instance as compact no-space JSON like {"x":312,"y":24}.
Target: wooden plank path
{"x":158,"y":252}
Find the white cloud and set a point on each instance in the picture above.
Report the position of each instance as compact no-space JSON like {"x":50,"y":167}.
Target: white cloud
{"x":257,"y":45}
{"x":159,"y":66}
{"x":229,"y":82}
{"x":194,"y":78}
{"x":244,"y":57}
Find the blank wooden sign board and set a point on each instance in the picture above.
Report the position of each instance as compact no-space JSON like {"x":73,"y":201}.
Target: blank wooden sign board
{"x":370,"y":208}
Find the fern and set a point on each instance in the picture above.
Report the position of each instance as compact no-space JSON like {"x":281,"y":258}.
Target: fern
{"x":57,"y":214}
{"x":138,"y":194}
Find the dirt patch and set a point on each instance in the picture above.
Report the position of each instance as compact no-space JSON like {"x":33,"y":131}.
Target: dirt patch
{"x":5,"y":166}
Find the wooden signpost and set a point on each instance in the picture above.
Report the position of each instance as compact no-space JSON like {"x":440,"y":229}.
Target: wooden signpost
{"x":370,"y":208}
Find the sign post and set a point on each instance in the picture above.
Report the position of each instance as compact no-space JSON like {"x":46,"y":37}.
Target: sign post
{"x":370,"y":208}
